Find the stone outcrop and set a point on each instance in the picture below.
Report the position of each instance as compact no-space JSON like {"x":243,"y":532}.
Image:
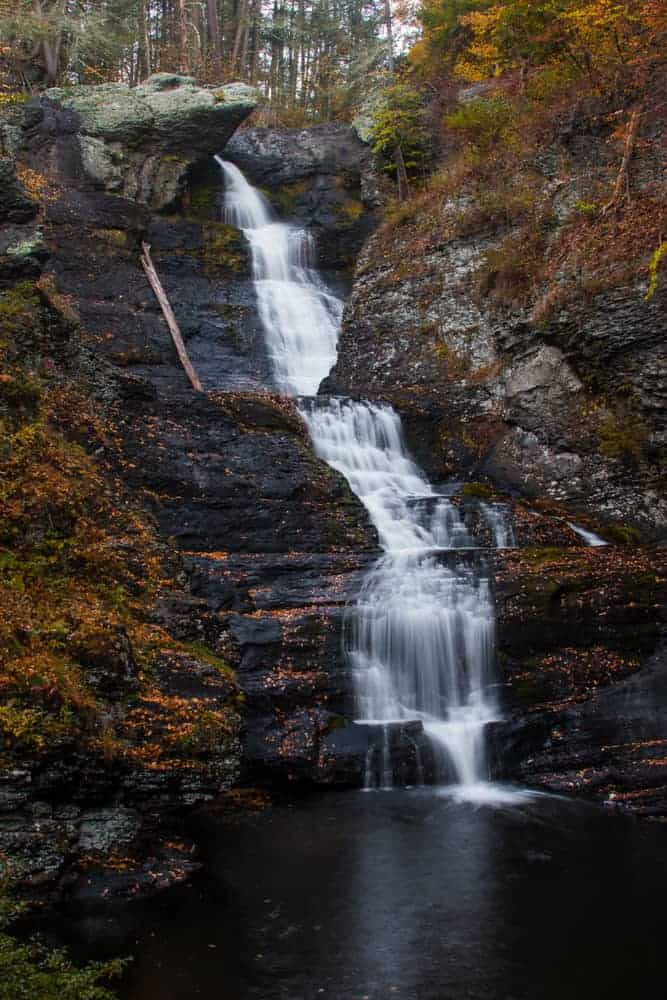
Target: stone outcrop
{"x":136,"y":142}
{"x":581,"y":643}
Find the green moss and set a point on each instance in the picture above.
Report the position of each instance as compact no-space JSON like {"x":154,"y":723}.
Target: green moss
{"x":114,"y":237}
{"x":21,"y":391}
{"x":622,"y":435}
{"x":473,"y":489}
{"x":201,"y":202}
{"x":19,"y":314}
{"x":335,"y":723}
{"x":224,"y":248}
{"x":28,"y":969}
{"x":349,"y":212}
{"x":33,"y":244}
{"x":202,"y":652}
{"x":286,"y":197}
{"x":623,"y":534}
{"x":653,"y":270}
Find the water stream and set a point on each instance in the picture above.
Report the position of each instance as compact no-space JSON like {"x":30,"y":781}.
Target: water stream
{"x":421,"y":639}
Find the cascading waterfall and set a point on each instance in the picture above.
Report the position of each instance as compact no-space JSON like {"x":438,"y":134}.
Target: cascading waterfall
{"x":422,"y":637}
{"x":423,"y":627}
{"x":301,"y":318}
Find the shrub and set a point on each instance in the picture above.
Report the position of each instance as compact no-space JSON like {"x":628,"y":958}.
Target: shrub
{"x":401,"y":122}
{"x":484,"y":122}
{"x":29,"y":971}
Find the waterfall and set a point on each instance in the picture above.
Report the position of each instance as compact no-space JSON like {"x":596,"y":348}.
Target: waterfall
{"x":421,"y":641}
{"x":589,"y":537}
{"x":422,"y":636}
{"x":301,"y":319}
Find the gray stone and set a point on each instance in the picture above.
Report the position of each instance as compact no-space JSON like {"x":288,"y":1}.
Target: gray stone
{"x":140,"y":142}
{"x":106,"y":830}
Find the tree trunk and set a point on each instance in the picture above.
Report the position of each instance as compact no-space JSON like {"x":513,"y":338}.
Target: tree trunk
{"x":402,"y":181}
{"x":214,"y":34}
{"x":238,"y":37}
{"x":168,"y":314}
{"x":622,"y":186}
{"x":182,"y":34}
{"x":390,"y":36}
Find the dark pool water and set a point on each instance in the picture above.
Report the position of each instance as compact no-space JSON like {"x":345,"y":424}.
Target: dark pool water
{"x":405,"y":895}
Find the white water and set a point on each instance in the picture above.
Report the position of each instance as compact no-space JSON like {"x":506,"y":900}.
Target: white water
{"x":588,"y":536}
{"x":499,"y":521}
{"x":301,"y":318}
{"x":422,"y":636}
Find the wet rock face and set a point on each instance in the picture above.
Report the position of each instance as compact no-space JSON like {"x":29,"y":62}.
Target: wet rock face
{"x":323,"y":176}
{"x":15,"y":205}
{"x":267,"y":542}
{"x":581,"y":650}
{"x":74,"y":807}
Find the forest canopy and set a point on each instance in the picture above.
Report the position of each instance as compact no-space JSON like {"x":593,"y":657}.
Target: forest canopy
{"x":306,"y":56}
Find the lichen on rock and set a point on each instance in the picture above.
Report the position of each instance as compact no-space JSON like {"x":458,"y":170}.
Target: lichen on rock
{"x":140,"y":142}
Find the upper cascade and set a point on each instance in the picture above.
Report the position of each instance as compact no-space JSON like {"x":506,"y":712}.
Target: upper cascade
{"x":301,"y":317}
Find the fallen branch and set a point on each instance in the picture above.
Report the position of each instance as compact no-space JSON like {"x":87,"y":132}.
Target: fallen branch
{"x":622,"y":186}
{"x":168,"y":314}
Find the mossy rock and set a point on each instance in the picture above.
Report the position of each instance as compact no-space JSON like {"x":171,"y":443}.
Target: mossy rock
{"x":349,"y":212}
{"x":15,"y":205}
{"x":480,"y":490}
{"x":622,"y":534}
{"x":114,"y":237}
{"x":201,"y":202}
{"x":286,"y":198}
{"x":166,"y":105}
{"x":224,"y":249}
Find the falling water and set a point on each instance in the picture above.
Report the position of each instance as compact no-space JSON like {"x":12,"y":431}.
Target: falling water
{"x":497,"y":517}
{"x":301,"y":318}
{"x":589,"y":537}
{"x":422,"y":637}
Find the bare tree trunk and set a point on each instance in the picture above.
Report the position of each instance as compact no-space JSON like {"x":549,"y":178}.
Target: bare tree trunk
{"x":214,"y":33}
{"x":401,"y":175}
{"x":622,"y":186}
{"x":182,"y":34}
{"x":168,"y":314}
{"x":390,"y":35}
{"x":144,"y":53}
{"x":238,"y":37}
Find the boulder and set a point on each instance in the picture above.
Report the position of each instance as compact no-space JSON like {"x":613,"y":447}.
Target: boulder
{"x":140,"y":142}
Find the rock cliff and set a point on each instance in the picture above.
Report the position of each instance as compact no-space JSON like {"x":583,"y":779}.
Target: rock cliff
{"x":241,"y":545}
{"x":564,"y":398}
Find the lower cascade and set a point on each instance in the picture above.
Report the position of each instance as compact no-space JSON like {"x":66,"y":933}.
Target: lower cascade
{"x":421,"y":635}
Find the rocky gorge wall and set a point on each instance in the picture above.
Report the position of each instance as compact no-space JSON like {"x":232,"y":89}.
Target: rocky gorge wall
{"x":255,"y":544}
{"x":563,"y":399}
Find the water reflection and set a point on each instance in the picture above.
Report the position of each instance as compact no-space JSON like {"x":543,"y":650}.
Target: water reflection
{"x":404,"y":894}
